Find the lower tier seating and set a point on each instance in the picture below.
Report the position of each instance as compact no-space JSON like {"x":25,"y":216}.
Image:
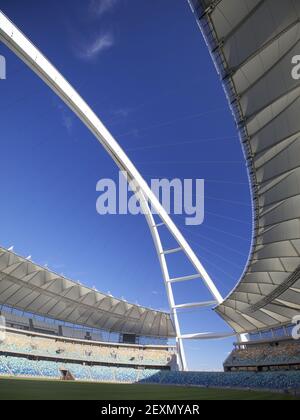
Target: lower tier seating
{"x":22,"y":367}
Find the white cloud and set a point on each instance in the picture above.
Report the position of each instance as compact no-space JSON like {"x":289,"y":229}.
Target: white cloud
{"x":122,"y":112}
{"x":99,"y":7}
{"x":101,"y":43}
{"x":67,"y":123}
{"x":66,"y":116}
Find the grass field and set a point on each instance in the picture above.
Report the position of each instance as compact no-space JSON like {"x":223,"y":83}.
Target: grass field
{"x":19,"y":389}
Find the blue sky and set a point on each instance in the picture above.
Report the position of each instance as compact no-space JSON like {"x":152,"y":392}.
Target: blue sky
{"x":144,"y":68}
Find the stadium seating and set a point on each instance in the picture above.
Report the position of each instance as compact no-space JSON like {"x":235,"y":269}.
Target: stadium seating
{"x":49,"y":369}
{"x":59,"y":348}
{"x":22,"y":367}
{"x":264,"y":355}
{"x":149,"y":376}
{"x":248,"y":380}
{"x":80,"y":372}
{"x":82,"y":360}
{"x":19,"y":366}
{"x":126,"y":375}
{"x":103,"y":374}
{"x":3,"y":366}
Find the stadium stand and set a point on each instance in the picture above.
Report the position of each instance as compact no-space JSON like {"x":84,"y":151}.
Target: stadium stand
{"x":253,"y":365}
{"x":49,"y":369}
{"x":126,"y":375}
{"x":23,"y":367}
{"x":270,"y":380}
{"x":102,"y":374}
{"x":279,"y":354}
{"x":20,"y":366}
{"x":24,"y":343}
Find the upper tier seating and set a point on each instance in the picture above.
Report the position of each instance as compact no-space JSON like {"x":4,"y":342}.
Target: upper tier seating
{"x":265,"y":355}
{"x":59,"y":348}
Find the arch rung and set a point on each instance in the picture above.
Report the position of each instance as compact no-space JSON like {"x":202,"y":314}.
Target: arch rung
{"x":159,"y":225}
{"x":171,"y":251}
{"x":196,"y":304}
{"x":186,"y":278}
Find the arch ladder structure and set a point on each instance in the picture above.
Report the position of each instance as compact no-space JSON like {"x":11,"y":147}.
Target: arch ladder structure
{"x":16,"y":41}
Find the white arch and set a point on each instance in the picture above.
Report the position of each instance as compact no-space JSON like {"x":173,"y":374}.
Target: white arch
{"x":11,"y":36}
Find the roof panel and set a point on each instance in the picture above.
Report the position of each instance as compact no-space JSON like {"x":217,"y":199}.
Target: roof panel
{"x":256,"y":68}
{"x":47,"y":294}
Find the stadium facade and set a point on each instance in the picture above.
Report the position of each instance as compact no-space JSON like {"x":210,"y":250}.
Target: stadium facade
{"x":253,"y":44}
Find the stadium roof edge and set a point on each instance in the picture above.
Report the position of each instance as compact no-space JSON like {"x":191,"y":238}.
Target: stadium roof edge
{"x":267,"y":294}
{"x":29,"y":287}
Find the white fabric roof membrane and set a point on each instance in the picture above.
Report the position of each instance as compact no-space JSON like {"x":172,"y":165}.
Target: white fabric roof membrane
{"x":253,"y":43}
{"x":34,"y":289}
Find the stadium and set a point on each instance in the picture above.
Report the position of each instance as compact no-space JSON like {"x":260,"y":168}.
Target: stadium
{"x":60,"y":334}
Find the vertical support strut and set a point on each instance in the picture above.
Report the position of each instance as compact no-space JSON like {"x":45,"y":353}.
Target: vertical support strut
{"x":181,"y":357}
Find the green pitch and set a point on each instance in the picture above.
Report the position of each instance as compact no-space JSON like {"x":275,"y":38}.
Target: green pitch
{"x":17,"y":389}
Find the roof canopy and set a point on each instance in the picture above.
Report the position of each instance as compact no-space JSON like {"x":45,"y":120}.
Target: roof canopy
{"x":253,"y":43}
{"x":31,"y":288}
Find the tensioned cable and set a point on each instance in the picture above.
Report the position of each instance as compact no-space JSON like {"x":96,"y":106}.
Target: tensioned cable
{"x":190,"y":162}
{"x":217,"y":267}
{"x":164,"y":94}
{"x":171,"y":122}
{"x":212,"y":241}
{"x":160,"y":146}
{"x":232,"y":219}
{"x":214,"y":253}
{"x":207,"y":180}
{"x":237,"y":203}
{"x":216,"y":229}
